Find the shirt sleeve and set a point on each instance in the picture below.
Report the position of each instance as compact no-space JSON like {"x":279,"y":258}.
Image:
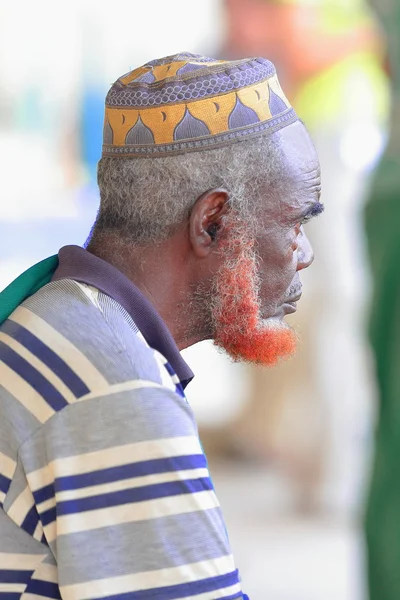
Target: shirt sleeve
{"x":128,"y":509}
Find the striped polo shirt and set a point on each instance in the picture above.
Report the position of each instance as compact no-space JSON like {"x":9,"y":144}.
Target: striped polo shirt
{"x":104,"y":488}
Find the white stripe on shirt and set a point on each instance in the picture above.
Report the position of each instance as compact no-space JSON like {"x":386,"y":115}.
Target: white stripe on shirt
{"x":21,"y":506}
{"x":7,"y":466}
{"x":25,"y":394}
{"x":127,"y":386}
{"x":52,"y":338}
{"x":123,"y":484}
{"x":151,"y":579}
{"x":46,"y":572}
{"x":12,"y":588}
{"x":20,"y":562}
{"x":113,"y":457}
{"x":43,"y":369}
{"x":132,"y":512}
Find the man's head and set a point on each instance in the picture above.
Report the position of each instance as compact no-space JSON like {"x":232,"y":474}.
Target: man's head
{"x":234,"y":216}
{"x":258,"y":245}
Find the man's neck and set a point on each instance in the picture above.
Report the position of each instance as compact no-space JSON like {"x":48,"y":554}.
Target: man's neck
{"x":162,"y":274}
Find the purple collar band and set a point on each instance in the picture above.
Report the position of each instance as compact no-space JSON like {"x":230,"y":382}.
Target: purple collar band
{"x":80,"y":265}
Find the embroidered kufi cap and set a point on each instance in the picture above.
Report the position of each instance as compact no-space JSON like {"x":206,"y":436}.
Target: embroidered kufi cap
{"x":187,"y":102}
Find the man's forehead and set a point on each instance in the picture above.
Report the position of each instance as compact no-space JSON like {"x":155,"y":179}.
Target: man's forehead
{"x":300,"y":187}
{"x":299,"y":152}
{"x":304,"y":187}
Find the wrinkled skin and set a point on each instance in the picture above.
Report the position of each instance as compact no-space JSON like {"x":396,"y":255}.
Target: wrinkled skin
{"x":283,"y":246}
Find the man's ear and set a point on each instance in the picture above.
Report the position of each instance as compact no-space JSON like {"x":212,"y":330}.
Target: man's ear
{"x":206,"y":220}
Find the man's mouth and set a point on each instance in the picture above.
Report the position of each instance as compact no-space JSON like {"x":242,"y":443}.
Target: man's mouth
{"x":290,"y":304}
{"x":292,"y":299}
{"x":289,"y":307}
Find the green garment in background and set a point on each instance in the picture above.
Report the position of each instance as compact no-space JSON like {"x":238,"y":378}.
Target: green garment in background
{"x":383,"y":512}
{"x":383,"y":235}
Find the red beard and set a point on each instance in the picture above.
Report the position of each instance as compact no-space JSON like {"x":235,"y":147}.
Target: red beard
{"x":238,"y":326}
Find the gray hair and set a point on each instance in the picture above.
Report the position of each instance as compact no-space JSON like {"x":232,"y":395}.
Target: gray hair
{"x":145,"y":200}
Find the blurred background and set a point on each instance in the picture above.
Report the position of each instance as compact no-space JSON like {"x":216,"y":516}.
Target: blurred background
{"x":292,"y":445}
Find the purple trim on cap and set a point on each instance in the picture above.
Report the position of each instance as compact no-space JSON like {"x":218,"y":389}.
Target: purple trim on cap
{"x":217,"y":80}
{"x":80,"y":265}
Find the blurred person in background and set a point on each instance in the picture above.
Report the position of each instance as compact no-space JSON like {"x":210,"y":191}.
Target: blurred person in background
{"x":383,"y":225}
{"x":207,"y":179}
{"x":312,"y":414}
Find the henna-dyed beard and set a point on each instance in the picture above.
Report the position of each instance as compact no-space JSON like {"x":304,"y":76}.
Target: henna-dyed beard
{"x":236,"y":318}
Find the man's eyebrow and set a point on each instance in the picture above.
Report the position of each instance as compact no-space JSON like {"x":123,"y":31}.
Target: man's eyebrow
{"x":314,"y":210}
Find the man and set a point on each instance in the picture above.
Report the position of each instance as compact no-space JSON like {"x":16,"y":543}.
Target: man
{"x":206,"y":180}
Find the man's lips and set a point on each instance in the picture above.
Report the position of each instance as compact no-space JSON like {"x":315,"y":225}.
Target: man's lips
{"x":290,"y":304}
{"x":292,"y":299}
{"x":289,"y":307}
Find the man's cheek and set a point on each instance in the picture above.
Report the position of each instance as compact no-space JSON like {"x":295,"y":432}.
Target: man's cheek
{"x":270,"y":281}
{"x":269,"y":299}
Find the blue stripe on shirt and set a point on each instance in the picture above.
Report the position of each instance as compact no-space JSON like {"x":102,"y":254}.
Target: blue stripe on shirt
{"x":48,"y":516}
{"x":171,"y":371}
{"x":132,"y":470}
{"x":174,"y":592}
{"x":32,"y":376}
{"x":129,"y":471}
{"x":15,"y":576}
{"x":179,"y":390}
{"x":47,"y":356}
{"x":4,"y":484}
{"x":45,"y":493}
{"x":31,"y":520}
{"x":141,"y":494}
{"x":43,"y":588}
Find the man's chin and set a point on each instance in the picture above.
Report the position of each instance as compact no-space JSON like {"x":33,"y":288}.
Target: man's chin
{"x":281,"y":312}
{"x":272,"y":341}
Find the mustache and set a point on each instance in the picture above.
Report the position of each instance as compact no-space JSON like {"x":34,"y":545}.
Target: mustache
{"x":294,"y":291}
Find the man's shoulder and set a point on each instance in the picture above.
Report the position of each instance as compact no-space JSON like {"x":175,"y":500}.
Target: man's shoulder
{"x":69,"y":343}
{"x":73,"y":332}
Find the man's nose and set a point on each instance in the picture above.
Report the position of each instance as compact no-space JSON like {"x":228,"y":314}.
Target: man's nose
{"x":305,"y":252}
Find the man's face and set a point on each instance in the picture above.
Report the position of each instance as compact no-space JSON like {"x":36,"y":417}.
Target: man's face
{"x":281,"y":243}
{"x":259,"y":283}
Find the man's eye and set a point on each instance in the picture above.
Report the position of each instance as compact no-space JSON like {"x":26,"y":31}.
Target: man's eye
{"x":316,"y":210}
{"x":306,"y":219}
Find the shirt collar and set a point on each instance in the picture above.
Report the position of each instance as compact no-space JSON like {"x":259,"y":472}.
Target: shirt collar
{"x":80,"y":265}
